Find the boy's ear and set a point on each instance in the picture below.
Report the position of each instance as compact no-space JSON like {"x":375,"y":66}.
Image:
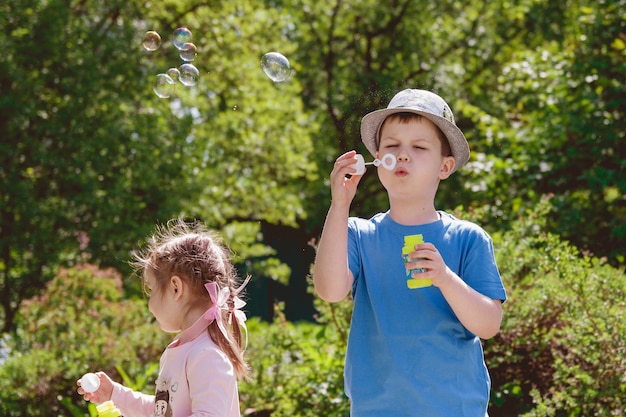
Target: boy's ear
{"x":447,"y":166}
{"x":176,"y":286}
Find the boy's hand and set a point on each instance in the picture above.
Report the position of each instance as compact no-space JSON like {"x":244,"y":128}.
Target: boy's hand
{"x":343,"y":189}
{"x":479,"y":314}
{"x":102,"y":394}
{"x":427,"y":257}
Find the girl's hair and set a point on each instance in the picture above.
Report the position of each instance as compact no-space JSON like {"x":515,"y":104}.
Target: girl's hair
{"x":198,"y":256}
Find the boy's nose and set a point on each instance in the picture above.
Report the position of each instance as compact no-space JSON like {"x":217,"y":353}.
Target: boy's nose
{"x":403,"y":156}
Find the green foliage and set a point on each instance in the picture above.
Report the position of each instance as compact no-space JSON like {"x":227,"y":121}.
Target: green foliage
{"x":537,"y":86}
{"x":367,"y":51}
{"x":258,"y":259}
{"x":248,"y":151}
{"x":297,"y":369}
{"x":88,"y":159}
{"x":79,"y":324}
{"x":565,"y":107}
{"x":561,"y":350}
{"x":564,"y":313}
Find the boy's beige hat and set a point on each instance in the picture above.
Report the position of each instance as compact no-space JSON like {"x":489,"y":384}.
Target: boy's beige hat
{"x":429,"y":105}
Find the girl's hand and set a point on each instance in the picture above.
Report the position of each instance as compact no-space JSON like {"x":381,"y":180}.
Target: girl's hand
{"x":102,"y":394}
{"x":343,"y":189}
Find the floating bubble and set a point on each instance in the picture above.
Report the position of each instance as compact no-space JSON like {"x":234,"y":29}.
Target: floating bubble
{"x":188,"y":52}
{"x":276,"y":66}
{"x":151,"y":41}
{"x":174,"y":74}
{"x":181,"y":36}
{"x":189,"y":74}
{"x":164,"y":86}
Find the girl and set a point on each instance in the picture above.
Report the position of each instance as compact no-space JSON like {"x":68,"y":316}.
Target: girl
{"x":191,"y":285}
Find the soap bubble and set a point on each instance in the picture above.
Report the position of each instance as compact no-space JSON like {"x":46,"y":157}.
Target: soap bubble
{"x":188,"y":74}
{"x":181,"y":36}
{"x":151,"y":41}
{"x":164,"y":86}
{"x":276,"y":66}
{"x":188,"y":52}
{"x":174,"y":74}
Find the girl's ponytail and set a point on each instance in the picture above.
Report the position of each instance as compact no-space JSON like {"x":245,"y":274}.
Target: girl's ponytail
{"x":228,"y":320}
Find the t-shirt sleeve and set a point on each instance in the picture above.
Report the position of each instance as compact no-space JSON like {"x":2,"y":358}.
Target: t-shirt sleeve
{"x":354,"y":258}
{"x":212,"y":383}
{"x":132,"y":403}
{"x":480,"y":270}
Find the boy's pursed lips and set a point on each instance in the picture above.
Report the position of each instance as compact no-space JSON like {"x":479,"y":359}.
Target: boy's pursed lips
{"x":401,"y":172}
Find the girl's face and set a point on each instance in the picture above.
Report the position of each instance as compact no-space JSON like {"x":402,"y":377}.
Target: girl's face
{"x":420,"y":165}
{"x":163,"y":304}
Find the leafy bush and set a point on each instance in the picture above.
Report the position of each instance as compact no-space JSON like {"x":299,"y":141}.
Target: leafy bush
{"x":79,"y":324}
{"x":562,"y":347}
{"x":561,"y":350}
{"x":297,"y":367}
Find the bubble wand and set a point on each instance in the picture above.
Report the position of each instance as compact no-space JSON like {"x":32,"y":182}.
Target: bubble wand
{"x":388,"y":161}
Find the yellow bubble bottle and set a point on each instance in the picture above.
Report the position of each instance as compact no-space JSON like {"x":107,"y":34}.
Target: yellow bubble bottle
{"x":409,"y":246}
{"x":108,"y":409}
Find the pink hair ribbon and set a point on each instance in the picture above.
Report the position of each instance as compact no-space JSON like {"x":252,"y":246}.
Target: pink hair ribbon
{"x":220,"y":303}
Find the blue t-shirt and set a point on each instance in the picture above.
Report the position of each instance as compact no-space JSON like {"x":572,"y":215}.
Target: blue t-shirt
{"x":408,"y":354}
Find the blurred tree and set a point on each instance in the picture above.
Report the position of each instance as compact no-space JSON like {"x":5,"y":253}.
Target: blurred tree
{"x":567,"y":100}
{"x":536,"y":85}
{"x":91,"y":158}
{"x":249,"y":150}
{"x":367,"y":51}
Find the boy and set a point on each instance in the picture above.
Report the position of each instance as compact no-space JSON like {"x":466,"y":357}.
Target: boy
{"x":412,"y":350}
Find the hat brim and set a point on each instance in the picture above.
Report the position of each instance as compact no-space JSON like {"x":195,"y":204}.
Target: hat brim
{"x":372,"y":122}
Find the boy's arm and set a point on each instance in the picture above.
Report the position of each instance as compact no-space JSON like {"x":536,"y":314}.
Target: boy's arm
{"x":331,"y":275}
{"x":479,"y":314}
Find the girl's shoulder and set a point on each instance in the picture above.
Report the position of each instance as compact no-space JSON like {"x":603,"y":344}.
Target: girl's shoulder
{"x":204,"y":350}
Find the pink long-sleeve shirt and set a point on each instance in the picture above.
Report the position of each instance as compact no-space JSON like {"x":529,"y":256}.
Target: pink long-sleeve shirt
{"x":195,"y":379}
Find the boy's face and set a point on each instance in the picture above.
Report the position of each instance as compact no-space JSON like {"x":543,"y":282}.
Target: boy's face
{"x":420,"y":166}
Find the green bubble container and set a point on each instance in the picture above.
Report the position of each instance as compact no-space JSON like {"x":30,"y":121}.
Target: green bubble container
{"x":108,"y":409}
{"x":409,"y":246}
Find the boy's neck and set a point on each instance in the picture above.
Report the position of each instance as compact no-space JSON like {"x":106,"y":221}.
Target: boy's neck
{"x":411,"y":213}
